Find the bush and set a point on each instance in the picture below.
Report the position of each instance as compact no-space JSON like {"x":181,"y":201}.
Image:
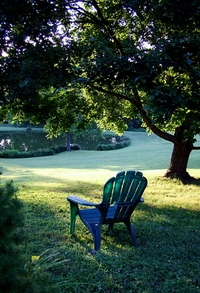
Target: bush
{"x":10,"y":154}
{"x":44,"y":152}
{"x":100,"y":147}
{"x":75,"y":147}
{"x":59,"y":149}
{"x":122,"y":142}
{"x":15,"y":275}
{"x":11,"y":220}
{"x":38,"y":153}
{"x":119,"y":145}
{"x":17,"y":154}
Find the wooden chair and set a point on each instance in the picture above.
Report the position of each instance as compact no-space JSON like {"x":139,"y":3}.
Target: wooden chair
{"x":121,"y":194}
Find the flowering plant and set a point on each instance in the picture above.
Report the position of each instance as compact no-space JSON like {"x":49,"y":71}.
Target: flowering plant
{"x":40,"y":265}
{"x":34,"y":258}
{"x":48,"y":259}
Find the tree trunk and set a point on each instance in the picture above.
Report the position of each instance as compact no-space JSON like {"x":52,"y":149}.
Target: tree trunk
{"x":179,"y":161}
{"x":68,"y":142}
{"x":182,"y":145}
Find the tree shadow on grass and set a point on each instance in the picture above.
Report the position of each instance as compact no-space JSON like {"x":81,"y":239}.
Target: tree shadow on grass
{"x":168,"y":253}
{"x":193,"y":181}
{"x":154,"y":226}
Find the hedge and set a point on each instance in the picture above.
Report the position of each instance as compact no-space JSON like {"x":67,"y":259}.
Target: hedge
{"x":39,"y":153}
{"x":119,"y":145}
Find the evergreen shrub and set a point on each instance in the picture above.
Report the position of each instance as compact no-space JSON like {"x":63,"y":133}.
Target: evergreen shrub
{"x":17,"y":275}
{"x":11,"y":220}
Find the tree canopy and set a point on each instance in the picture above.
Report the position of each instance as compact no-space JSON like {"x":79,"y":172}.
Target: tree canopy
{"x":104,"y":60}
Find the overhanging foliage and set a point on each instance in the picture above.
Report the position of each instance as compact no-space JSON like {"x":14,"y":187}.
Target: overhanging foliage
{"x":104,"y":60}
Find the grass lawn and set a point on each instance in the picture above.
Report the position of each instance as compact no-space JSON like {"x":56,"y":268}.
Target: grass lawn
{"x":167,"y":225}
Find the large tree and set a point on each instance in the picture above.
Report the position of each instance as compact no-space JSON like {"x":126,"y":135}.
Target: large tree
{"x":105,"y":60}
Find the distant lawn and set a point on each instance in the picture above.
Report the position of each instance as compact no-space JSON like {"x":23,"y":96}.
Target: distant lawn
{"x":167,"y":225}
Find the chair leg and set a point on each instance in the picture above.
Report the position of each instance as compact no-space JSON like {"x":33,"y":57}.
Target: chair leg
{"x":96,"y":233}
{"x":132,"y":232}
{"x":73,"y":215}
{"x":110,"y":226}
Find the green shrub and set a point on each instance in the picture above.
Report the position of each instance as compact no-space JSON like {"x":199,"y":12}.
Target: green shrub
{"x":119,"y":145}
{"x":99,"y":147}
{"x":122,"y":142}
{"x":75,"y":147}
{"x":16,"y":275}
{"x":45,"y":152}
{"x":10,"y":154}
{"x":106,"y":147}
{"x":38,"y":153}
{"x":110,"y":147}
{"x":59,"y":149}
{"x":11,"y":219}
{"x":17,"y":154}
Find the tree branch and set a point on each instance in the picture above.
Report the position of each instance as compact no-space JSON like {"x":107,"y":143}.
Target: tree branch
{"x":138,"y":104}
{"x":116,"y":95}
{"x":107,"y":27}
{"x":100,"y":21}
{"x":149,"y":123}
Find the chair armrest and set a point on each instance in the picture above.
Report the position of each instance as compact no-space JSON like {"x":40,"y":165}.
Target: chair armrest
{"x":141,"y":199}
{"x":78,"y":200}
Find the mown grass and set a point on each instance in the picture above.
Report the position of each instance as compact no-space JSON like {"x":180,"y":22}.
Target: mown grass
{"x":167,"y":224}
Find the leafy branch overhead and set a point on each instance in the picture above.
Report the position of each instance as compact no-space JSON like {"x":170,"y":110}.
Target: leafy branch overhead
{"x":105,"y":60}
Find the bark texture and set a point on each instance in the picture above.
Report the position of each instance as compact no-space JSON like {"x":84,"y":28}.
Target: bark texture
{"x":179,"y":161}
{"x":180,"y":156}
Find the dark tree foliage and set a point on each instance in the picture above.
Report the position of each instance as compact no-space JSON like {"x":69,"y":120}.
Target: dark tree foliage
{"x":104,"y":60}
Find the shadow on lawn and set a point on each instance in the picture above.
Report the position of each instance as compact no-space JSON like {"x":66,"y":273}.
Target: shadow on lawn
{"x":168,"y":241}
{"x":46,"y":225}
{"x":194,"y":181}
{"x":153,"y":227}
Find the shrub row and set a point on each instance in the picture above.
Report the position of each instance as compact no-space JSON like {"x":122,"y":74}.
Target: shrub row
{"x":123,"y":138}
{"x":108,"y":147}
{"x":38,"y":153}
{"x":123,"y":142}
{"x":18,"y":154}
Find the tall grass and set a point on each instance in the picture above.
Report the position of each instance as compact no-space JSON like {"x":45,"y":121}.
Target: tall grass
{"x":167,"y":225}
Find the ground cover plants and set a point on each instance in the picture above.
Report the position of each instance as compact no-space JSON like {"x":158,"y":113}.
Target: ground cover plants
{"x":167,"y":224}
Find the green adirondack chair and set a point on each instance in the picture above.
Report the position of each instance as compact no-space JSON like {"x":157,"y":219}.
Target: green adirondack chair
{"x":121,"y":194}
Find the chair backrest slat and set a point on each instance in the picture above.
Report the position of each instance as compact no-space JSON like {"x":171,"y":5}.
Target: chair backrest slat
{"x":133,"y":188}
{"x":107,"y":193}
{"x":124,"y":188}
{"x":117,"y":188}
{"x":126,"y":212}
